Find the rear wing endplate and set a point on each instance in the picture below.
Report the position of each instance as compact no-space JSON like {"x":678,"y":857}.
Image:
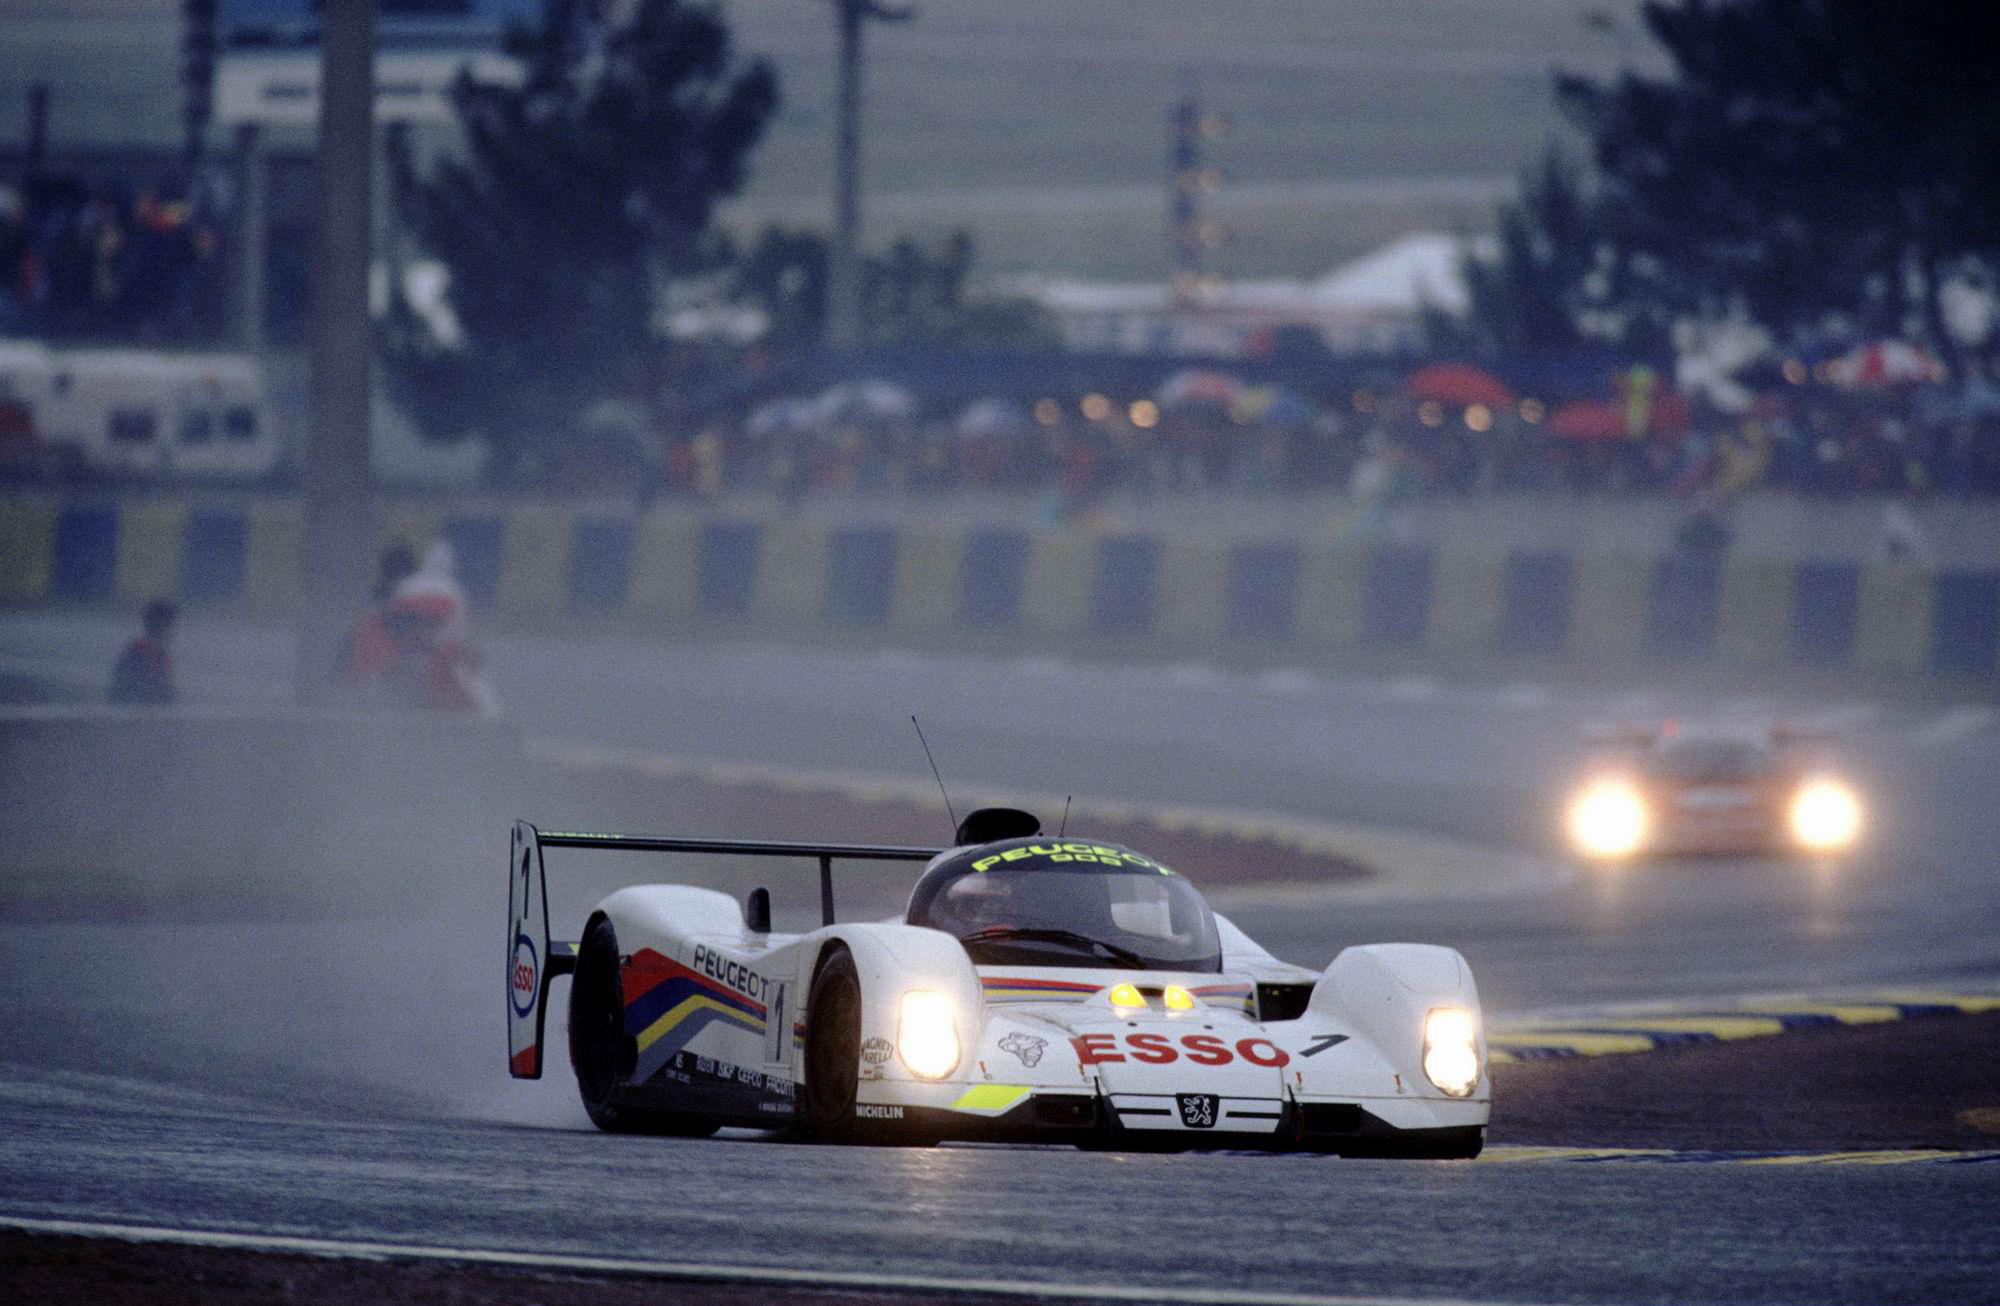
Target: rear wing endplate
{"x":533,"y":961}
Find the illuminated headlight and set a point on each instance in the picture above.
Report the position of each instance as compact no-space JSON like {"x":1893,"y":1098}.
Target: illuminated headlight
{"x":1825,"y":815}
{"x":1608,"y":819}
{"x":926,"y":1036}
{"x":1127,"y":995}
{"x":1451,"y":1050}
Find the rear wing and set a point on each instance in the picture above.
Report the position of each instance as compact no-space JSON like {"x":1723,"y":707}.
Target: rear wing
{"x":533,"y":962}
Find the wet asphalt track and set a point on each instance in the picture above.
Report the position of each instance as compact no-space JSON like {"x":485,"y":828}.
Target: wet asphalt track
{"x":347,"y":1081}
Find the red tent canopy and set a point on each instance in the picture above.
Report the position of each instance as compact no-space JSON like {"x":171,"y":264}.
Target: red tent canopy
{"x":1883,"y":363}
{"x":1588,"y":419}
{"x":1669,"y":415}
{"x":1198,"y":385}
{"x":1459,"y":383}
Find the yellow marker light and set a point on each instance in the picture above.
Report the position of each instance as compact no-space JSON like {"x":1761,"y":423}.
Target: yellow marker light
{"x":1825,"y":815}
{"x":1179,"y":999}
{"x":1451,"y":1050}
{"x":1124,"y":995}
{"x":1608,"y":820}
{"x":926,"y":1036}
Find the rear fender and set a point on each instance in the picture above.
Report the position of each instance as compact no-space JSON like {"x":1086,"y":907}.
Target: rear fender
{"x":665,"y":916}
{"x":1238,"y":948}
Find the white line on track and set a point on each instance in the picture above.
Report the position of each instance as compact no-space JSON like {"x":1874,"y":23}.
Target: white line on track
{"x":1523,"y":696}
{"x":1959,"y":723}
{"x":1411,"y":689}
{"x":698,"y":1271}
{"x":1194,"y":675}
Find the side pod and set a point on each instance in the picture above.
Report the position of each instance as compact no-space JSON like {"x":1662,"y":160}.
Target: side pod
{"x":532,"y":961}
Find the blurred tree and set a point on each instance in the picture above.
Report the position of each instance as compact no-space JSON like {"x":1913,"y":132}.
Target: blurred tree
{"x":578,"y":195}
{"x":1549,"y":276}
{"x":909,"y":295}
{"x":785,"y":275}
{"x":1806,"y":160}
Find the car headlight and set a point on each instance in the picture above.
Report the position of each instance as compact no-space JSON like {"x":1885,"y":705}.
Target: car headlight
{"x":1608,"y":819}
{"x":1451,"y":1050}
{"x":1825,"y":815}
{"x":926,"y":1036}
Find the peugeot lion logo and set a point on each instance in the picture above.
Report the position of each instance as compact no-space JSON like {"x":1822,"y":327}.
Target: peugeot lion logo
{"x":1198,"y":1110}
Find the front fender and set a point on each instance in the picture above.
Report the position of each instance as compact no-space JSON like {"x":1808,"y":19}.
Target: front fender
{"x":1383,"y":991}
{"x":892,"y":959}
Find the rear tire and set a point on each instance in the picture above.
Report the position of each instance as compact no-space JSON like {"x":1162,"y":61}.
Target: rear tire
{"x":833,"y":1049}
{"x":603,"y":1054}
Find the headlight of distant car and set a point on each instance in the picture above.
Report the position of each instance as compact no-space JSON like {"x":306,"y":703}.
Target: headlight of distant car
{"x":1451,"y":1050}
{"x":1825,"y":815}
{"x":926,"y":1036}
{"x":1608,"y":819}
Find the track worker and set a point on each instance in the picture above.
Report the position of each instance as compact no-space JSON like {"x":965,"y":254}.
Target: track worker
{"x":433,"y":618}
{"x":144,"y":672}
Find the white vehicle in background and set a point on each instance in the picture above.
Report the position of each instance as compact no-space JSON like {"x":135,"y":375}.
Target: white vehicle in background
{"x":1035,"y":989}
{"x":135,"y":412}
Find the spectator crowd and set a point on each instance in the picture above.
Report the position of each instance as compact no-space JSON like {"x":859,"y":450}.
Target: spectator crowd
{"x":82,"y":261}
{"x":139,"y":261}
{"x":1820,"y":442}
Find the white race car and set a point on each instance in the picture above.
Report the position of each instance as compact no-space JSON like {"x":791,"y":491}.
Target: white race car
{"x":1035,"y":989}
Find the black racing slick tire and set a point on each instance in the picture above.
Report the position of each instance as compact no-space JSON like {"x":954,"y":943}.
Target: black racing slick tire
{"x":833,"y":1049}
{"x":603,"y":1054}
{"x":1461,"y":1143}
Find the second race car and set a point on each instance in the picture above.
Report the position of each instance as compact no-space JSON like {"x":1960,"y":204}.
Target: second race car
{"x":1670,"y":791}
{"x":1035,"y":988}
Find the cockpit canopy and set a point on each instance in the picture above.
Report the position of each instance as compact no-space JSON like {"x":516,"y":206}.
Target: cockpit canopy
{"x":1067,"y":902}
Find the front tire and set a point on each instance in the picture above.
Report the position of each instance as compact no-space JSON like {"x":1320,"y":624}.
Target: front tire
{"x":603,"y":1054}
{"x":833,"y":1049}
{"x":1456,"y":1143}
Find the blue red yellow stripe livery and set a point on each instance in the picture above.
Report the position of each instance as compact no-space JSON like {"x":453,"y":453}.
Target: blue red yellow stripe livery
{"x":666,"y":1004}
{"x":1017,"y":988}
{"x":1227,"y":995}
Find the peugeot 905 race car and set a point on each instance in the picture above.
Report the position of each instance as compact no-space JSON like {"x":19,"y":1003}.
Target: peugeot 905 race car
{"x":1035,"y":989}
{"x":1712,"y":793}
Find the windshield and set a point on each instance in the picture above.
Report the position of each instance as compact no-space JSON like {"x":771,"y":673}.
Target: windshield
{"x":1073,"y":916}
{"x":1710,"y":759}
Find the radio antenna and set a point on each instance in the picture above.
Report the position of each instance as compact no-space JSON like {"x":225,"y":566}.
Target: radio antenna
{"x":934,"y":771}
{"x":1064,"y":827}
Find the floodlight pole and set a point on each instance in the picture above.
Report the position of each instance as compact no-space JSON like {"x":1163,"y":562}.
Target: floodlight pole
{"x":843,"y":290}
{"x":338,"y":511}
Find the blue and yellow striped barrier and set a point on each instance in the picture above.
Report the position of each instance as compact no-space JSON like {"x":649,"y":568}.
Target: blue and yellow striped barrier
{"x":941,"y":579}
{"x":1656,"y":1026}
